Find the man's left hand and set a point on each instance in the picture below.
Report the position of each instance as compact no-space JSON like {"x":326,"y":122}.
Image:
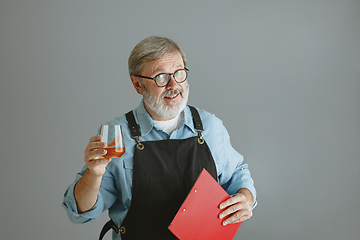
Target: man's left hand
{"x":237,"y":208}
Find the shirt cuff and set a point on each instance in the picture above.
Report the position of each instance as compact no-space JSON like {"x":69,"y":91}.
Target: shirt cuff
{"x":70,"y":206}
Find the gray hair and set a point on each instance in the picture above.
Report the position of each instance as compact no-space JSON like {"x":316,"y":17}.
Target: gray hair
{"x":151,"y":49}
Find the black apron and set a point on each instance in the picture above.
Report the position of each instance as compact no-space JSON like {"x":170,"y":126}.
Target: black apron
{"x":163,"y":174}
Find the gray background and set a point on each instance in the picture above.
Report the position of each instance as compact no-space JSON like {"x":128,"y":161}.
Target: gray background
{"x":284,"y":76}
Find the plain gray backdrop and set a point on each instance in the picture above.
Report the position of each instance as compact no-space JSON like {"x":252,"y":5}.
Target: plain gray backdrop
{"x":284,"y":76}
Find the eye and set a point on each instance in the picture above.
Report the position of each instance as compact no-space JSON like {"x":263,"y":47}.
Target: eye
{"x":161,"y":79}
{"x":180,"y":75}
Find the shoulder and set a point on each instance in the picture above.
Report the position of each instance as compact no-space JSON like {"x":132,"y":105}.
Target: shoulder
{"x":208,"y":118}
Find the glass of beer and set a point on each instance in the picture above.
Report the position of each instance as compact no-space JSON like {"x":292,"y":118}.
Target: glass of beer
{"x":113,"y":137}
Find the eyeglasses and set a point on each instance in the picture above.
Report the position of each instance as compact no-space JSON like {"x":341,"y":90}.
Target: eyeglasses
{"x":163,"y":79}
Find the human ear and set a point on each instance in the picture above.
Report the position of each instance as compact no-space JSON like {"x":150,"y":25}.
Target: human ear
{"x":136,"y":82}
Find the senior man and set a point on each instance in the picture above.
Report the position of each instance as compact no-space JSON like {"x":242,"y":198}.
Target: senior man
{"x":167,"y":144}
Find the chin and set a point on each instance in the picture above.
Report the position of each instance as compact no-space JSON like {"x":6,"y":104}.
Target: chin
{"x":168,"y":111}
{"x":165,"y":108}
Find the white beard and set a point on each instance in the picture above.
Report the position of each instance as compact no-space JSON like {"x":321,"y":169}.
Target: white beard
{"x":162,"y":110}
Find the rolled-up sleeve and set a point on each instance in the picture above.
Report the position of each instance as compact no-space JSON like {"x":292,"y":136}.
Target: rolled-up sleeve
{"x":232,"y":172}
{"x":106,"y":191}
{"x":241,"y":178}
{"x":235,"y":173}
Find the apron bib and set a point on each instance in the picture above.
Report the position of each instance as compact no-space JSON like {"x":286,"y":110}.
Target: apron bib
{"x":163,"y":174}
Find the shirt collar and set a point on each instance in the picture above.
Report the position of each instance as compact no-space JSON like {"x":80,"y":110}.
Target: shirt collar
{"x":187,"y":119}
{"x":146,"y":123}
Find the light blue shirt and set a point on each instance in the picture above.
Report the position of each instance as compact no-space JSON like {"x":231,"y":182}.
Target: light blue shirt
{"x":115,"y":191}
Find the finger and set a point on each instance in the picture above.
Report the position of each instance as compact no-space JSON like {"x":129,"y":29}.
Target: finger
{"x":95,"y":155}
{"x":96,"y":138}
{"x":95,"y":145}
{"x":238,"y":216}
{"x":235,"y":203}
{"x":236,"y":198}
{"x":92,"y":149}
{"x":231,"y":209}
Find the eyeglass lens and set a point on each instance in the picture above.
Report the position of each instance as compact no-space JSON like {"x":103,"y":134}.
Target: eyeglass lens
{"x":163,"y":79}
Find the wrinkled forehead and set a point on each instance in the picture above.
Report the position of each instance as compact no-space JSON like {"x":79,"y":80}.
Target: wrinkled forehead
{"x":168,"y":62}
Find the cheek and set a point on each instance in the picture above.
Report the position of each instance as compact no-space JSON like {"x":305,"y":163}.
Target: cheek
{"x":185,"y":88}
{"x":156,"y":92}
{"x":159,"y":91}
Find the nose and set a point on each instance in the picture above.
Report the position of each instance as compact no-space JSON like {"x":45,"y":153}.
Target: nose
{"x":172,"y":83}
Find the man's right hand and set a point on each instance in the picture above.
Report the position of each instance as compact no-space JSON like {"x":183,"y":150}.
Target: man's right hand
{"x":93,"y":156}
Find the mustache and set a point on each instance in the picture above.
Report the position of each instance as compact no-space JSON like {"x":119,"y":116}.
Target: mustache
{"x":172,"y":92}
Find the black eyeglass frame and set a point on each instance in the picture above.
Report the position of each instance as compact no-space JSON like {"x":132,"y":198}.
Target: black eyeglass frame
{"x":169,"y":76}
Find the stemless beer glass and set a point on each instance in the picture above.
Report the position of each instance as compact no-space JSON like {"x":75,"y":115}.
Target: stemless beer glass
{"x":113,"y":137}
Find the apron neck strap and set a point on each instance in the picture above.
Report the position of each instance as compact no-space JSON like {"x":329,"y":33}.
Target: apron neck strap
{"x":196,"y":119}
{"x":134,"y":128}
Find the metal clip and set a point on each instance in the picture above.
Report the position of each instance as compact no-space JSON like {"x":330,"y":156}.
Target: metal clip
{"x":139,"y":145}
{"x":200,"y":139}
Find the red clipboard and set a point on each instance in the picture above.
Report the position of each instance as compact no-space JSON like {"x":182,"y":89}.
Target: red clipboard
{"x":198,"y":216}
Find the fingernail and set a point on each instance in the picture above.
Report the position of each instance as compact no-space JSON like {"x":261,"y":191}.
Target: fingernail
{"x":221,"y":216}
{"x":225,"y":223}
